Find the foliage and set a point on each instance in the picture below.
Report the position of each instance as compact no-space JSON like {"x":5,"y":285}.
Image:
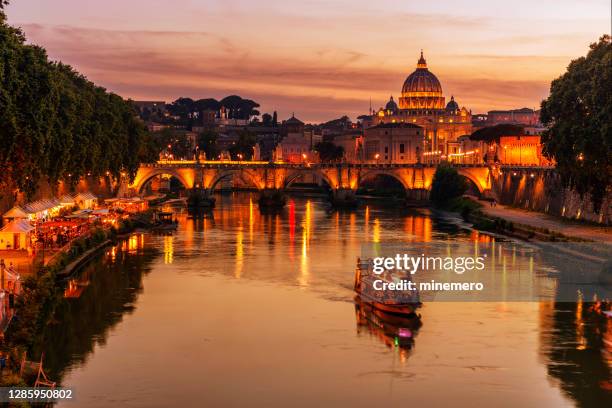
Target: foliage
{"x":578,"y":115}
{"x":57,"y":125}
{"x":446,"y":185}
{"x":493,"y":133}
{"x":207,"y":142}
{"x":266,"y":119}
{"x":188,"y":112}
{"x":329,"y":152}
{"x":175,"y":142}
{"x":463,"y":206}
{"x":244,"y":146}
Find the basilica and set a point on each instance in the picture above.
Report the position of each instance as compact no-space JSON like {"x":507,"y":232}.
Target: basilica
{"x":422,"y":103}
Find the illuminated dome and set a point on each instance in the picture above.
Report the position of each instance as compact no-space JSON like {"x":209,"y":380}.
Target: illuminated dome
{"x":422,"y":90}
{"x":452,"y":106}
{"x":391,"y":106}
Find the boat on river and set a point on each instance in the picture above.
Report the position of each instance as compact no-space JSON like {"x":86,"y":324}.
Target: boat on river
{"x":395,"y":302}
{"x":177,"y":201}
{"x":163,"y":222}
{"x":392,"y":329}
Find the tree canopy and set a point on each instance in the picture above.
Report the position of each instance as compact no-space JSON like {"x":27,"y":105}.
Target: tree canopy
{"x":188,"y":112}
{"x":578,"y":115}
{"x":243,"y":148}
{"x":57,"y":125}
{"x":447,"y":184}
{"x":329,"y":152}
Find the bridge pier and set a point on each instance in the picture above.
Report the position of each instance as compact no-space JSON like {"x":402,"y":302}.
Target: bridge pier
{"x":272,"y":198}
{"x":200,"y":198}
{"x":417,"y":196}
{"x":344,"y":197}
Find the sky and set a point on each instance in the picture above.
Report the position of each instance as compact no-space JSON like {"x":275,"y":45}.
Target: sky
{"x":317,"y":59}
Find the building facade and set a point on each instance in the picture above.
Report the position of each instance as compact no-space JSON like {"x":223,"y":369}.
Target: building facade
{"x":397,"y":142}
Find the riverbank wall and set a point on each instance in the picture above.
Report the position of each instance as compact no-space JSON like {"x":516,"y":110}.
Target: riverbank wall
{"x":542,"y":191}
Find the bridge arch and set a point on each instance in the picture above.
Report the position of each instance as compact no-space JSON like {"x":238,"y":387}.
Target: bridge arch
{"x":479,"y":177}
{"x":295,"y":174}
{"x":224,"y":174}
{"x":145,"y":175}
{"x":372,"y":174}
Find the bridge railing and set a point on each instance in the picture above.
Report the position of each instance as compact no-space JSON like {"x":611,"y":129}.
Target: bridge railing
{"x":279,"y":164}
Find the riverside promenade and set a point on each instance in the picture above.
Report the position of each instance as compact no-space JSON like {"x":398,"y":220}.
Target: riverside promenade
{"x":539,"y":220}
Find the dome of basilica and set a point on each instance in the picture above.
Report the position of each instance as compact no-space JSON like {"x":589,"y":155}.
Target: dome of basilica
{"x":391,"y":105}
{"x":422,"y":89}
{"x":452,"y":106}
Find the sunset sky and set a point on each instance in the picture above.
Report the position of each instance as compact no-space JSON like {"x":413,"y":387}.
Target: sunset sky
{"x":319,"y":59}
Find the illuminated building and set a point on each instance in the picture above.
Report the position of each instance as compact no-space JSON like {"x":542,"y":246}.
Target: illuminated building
{"x":296,"y":145}
{"x":422,"y":103}
{"x":522,"y":150}
{"x":393,"y":143}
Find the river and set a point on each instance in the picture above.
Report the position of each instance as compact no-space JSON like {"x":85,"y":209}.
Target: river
{"x":248,"y":309}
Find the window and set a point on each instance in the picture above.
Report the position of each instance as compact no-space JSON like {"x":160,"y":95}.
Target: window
{"x":386,"y":149}
{"x":401,"y":148}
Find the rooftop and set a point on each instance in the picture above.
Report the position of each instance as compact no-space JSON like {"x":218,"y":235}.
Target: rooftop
{"x":395,"y":125}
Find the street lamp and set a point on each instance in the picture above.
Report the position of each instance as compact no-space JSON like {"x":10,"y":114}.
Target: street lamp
{"x":377,"y":156}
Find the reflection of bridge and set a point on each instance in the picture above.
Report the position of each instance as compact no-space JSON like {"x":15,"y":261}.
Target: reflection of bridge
{"x":343,"y":178}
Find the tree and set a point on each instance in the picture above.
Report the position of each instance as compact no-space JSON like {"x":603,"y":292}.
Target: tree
{"x":239,"y":108}
{"x":266,"y":119}
{"x":578,"y":117}
{"x":329,"y":152}
{"x":55,"y":124}
{"x":446,"y":185}
{"x":244,"y":146}
{"x":207,"y":142}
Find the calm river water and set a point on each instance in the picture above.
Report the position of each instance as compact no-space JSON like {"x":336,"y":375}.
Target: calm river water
{"x":246,"y":309}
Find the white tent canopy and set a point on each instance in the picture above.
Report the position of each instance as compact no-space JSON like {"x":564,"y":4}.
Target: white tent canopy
{"x":15,"y":212}
{"x":17,"y":226}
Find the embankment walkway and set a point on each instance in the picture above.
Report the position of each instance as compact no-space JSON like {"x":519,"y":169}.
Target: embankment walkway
{"x":540,"y":220}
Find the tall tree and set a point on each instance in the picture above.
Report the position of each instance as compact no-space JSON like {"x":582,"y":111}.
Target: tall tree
{"x":266,"y":119}
{"x":207,"y":142}
{"x":329,"y":152}
{"x":244,"y":146}
{"x":446,"y":184}
{"x":55,"y":124}
{"x":578,"y":115}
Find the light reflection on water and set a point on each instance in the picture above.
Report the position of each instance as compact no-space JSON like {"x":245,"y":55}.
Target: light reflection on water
{"x":257,"y":309}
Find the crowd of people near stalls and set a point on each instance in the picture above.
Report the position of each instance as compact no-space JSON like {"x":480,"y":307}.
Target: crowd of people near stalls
{"x":54,"y":223}
{"x":49,"y":223}
{"x":59,"y":232}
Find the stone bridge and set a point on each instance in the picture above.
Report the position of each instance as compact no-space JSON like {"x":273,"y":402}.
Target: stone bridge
{"x":343,"y":178}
